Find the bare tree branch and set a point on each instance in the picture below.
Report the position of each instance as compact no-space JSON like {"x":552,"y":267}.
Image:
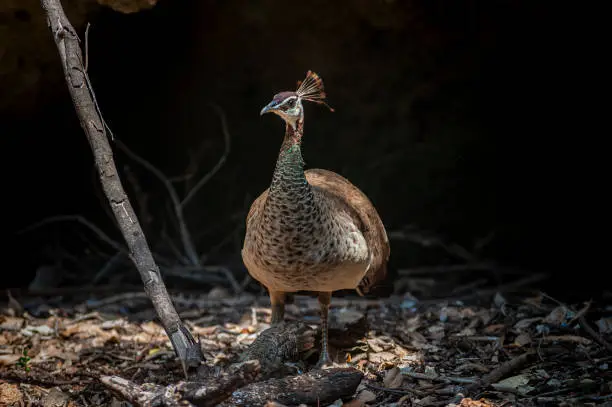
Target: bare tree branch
{"x":217,"y":167}
{"x":188,"y":245}
{"x":177,"y":204}
{"x":80,"y":219}
{"x":451,"y":268}
{"x":200,"y":273}
{"x":429,"y":240}
{"x":67,"y":42}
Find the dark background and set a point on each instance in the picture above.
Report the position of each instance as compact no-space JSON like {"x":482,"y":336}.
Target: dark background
{"x":451,"y":116}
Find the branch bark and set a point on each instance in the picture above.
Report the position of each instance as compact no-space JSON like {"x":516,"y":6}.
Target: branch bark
{"x":67,"y":42}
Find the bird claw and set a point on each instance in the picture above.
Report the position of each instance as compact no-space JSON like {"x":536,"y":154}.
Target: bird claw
{"x":324,"y":362}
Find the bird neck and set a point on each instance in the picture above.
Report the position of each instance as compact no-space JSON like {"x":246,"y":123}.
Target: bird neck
{"x":289,"y":181}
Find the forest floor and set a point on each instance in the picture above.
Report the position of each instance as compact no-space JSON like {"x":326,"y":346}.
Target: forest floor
{"x":525,"y":350}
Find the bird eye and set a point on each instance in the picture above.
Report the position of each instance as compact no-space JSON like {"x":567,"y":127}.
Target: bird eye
{"x":290,"y":103}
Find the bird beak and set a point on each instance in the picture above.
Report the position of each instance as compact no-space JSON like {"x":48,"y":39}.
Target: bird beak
{"x":267,"y":109}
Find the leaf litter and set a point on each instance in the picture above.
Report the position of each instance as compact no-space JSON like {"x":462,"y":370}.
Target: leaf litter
{"x":526,"y":352}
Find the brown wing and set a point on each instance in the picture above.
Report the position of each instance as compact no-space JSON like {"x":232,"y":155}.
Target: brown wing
{"x":367,"y":218}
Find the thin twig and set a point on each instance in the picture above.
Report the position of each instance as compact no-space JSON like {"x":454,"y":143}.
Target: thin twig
{"x":439,"y":379}
{"x":425,"y":240}
{"x":175,"y":250}
{"x":452,"y":268}
{"x":80,"y":219}
{"x":567,"y":338}
{"x":87,"y":47}
{"x":68,"y":291}
{"x":504,"y":370}
{"x":585,"y":325}
{"x":188,"y":245}
{"x":200,"y":278}
{"x":222,"y":159}
{"x":402,"y":391}
{"x":580,"y":317}
{"x":523,"y":282}
{"x":198,"y":273}
{"x":90,"y":87}
{"x":108,"y":267}
{"x":583,"y":311}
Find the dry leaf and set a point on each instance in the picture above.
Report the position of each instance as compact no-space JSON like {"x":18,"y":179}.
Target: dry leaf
{"x":114,"y":323}
{"x":467,"y":331}
{"x":557,"y":316}
{"x":10,"y":394}
{"x":526,"y":323}
{"x":380,"y":357}
{"x":522,"y":340}
{"x":518,"y":383}
{"x":11,"y":323}
{"x":468,"y":402}
{"x":8,"y":359}
{"x":393,"y":378}
{"x":366,"y":396}
{"x":43,"y":330}
{"x":152,"y":328}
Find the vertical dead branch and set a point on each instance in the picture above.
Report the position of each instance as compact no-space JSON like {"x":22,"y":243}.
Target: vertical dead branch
{"x":222,"y":159}
{"x":67,"y":42}
{"x":190,"y":250}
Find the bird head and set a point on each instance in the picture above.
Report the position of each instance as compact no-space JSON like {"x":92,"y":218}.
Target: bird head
{"x":288,"y":105}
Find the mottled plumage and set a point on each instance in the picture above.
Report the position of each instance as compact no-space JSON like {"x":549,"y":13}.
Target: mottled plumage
{"x":311,"y":230}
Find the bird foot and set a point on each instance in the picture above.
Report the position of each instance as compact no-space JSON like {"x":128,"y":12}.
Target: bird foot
{"x":324,"y":362}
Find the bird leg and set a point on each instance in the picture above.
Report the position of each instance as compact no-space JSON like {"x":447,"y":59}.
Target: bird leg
{"x":324,"y":359}
{"x":277,"y":299}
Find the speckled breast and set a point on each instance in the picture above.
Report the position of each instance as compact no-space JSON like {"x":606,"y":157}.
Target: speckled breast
{"x":293,"y":254}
